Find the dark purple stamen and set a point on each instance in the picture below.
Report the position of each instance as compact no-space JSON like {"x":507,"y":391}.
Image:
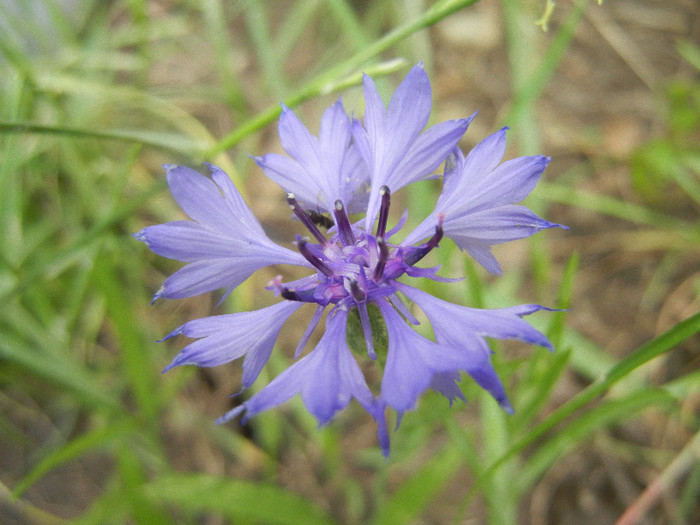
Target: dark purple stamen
{"x":303,"y":296}
{"x":383,"y":211}
{"x":383,"y":256}
{"x":417,"y":254}
{"x":290,"y":295}
{"x":305,"y":219}
{"x":303,"y":245}
{"x":344,"y":229}
{"x":357,"y":294}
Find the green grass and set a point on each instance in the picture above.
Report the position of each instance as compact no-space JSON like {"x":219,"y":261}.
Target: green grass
{"x":94,"y":100}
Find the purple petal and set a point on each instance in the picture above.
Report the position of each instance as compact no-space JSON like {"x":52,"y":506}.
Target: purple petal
{"x":360,"y":139}
{"x":407,"y":115}
{"x":299,"y":144}
{"x":412,"y":361}
{"x":199,"y":197}
{"x":485,"y":376}
{"x":382,"y":432}
{"x":239,"y":210}
{"x":291,"y":176}
{"x":494,"y":225}
{"x":481,"y":252}
{"x":207,"y":275}
{"x":391,"y":132}
{"x":334,"y":139}
{"x":223,"y":244}
{"x":223,"y":338}
{"x":509,"y":183}
{"x":321,"y":170}
{"x":187,"y":241}
{"x":424,"y":230}
{"x":354,"y":181}
{"x":445,"y":383}
{"x":503,"y":323}
{"x":454,"y":164}
{"x":375,"y":118}
{"x":478,"y":164}
{"x":464,"y":329}
{"x":327,"y":379}
{"x":427,"y":153}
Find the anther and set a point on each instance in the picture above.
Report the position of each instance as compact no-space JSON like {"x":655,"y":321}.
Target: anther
{"x":383,"y":210}
{"x":344,"y":229}
{"x":305,"y":219}
{"x":290,"y":295}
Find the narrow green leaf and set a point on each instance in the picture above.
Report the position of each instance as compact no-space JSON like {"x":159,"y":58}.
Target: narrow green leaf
{"x":317,"y":85}
{"x":265,"y":49}
{"x":564,"y":294}
{"x":235,"y":499}
{"x":609,"y":413}
{"x":181,"y":144}
{"x":654,"y":348}
{"x":60,"y":371}
{"x":137,"y":364}
{"x":51,"y":265}
{"x":603,"y":204}
{"x":91,"y":440}
{"x":324,"y":85}
{"x":531,"y":87}
{"x":133,"y":475}
{"x":348,"y":22}
{"x":544,"y":370}
{"x":409,"y":500}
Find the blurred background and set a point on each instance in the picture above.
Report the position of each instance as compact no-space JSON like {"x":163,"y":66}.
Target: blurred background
{"x":96,"y":95}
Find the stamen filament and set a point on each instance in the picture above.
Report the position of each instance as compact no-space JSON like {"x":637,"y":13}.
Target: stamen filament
{"x":305,"y":219}
{"x":381,"y":263}
{"x":357,"y":294}
{"x":344,"y":229}
{"x":383,"y":211}
{"x":302,"y":244}
{"x":417,"y":254}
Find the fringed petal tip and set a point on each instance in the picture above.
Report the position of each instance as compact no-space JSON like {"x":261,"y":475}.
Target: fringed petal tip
{"x":542,"y":224}
{"x":177,"y":361}
{"x":506,"y":406}
{"x":141,"y":236}
{"x":159,"y":293}
{"x":167,"y":368}
{"x":232,"y":414}
{"x":179,"y":330}
{"x":376,"y":410}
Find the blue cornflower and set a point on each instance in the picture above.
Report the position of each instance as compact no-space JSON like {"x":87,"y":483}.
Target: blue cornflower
{"x":351,"y":167}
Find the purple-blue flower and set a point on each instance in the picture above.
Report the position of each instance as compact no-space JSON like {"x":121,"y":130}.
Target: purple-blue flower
{"x":351,"y":167}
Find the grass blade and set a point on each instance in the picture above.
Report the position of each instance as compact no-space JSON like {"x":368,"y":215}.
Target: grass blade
{"x":235,"y":499}
{"x":654,"y":348}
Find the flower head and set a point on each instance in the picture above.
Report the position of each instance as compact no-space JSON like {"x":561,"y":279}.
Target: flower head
{"x":356,"y":266}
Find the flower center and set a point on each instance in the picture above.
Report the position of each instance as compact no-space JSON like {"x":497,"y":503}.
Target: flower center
{"x":354,"y":266}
